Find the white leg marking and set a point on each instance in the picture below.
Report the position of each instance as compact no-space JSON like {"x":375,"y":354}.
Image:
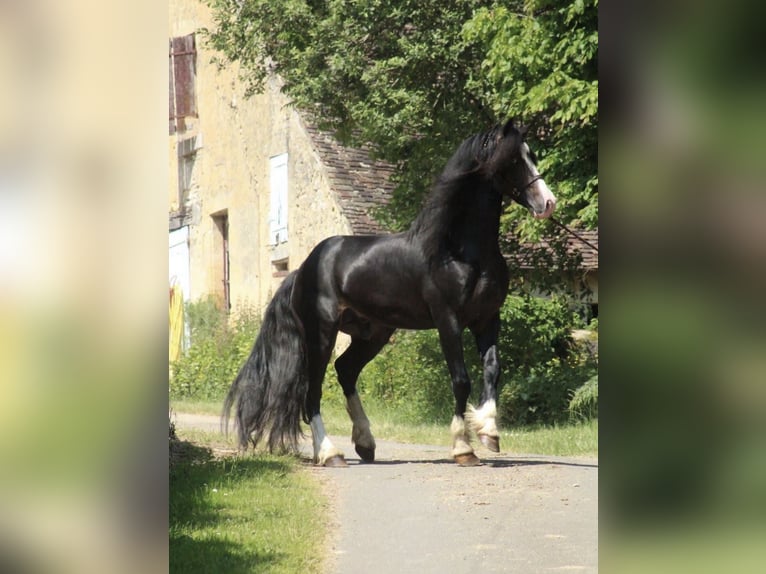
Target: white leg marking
{"x":360,"y":432}
{"x":482,"y":420}
{"x":460,"y":441}
{"x":323,"y":447}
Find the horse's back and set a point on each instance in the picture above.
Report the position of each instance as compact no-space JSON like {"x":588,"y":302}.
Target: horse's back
{"x":379,"y":277}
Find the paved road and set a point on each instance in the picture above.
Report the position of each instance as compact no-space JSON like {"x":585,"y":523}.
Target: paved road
{"x":414,"y":510}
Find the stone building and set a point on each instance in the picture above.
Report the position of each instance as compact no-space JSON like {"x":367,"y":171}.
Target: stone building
{"x":254,"y":186}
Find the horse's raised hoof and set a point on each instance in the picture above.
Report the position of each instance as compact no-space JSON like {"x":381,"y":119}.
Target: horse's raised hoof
{"x":491,"y":442}
{"x":336,"y":461}
{"x":468,"y":459}
{"x":366,"y":454}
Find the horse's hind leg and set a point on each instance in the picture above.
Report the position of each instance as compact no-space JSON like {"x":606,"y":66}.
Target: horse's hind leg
{"x":320,"y":338}
{"x":348,"y":366}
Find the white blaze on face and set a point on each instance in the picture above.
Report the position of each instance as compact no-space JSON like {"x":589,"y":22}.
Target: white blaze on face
{"x":546,"y":201}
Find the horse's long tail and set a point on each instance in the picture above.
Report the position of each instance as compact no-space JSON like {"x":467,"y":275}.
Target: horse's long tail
{"x":271,"y":387}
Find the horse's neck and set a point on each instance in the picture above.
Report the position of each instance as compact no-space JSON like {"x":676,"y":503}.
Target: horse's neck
{"x":476,"y":228}
{"x":468,"y":221}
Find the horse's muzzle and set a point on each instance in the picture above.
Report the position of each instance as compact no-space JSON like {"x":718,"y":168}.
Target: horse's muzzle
{"x":550,"y":206}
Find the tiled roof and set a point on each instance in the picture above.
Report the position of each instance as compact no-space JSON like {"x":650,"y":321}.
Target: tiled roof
{"x":589,"y":255}
{"x":360,"y":183}
{"x":573,"y":247}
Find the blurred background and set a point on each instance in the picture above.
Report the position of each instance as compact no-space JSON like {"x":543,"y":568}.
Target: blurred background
{"x":683,"y":463}
{"x":83,"y":287}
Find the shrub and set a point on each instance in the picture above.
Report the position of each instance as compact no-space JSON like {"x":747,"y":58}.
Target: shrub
{"x":219,"y":346}
{"x":542,"y":366}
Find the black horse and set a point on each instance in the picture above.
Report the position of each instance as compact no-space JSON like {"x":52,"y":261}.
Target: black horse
{"x":445,"y":272}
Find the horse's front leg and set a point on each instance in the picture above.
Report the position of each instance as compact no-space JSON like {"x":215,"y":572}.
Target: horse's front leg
{"x":452,"y":346}
{"x":483,"y":419}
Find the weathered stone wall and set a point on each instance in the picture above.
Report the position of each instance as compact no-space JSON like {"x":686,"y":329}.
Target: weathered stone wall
{"x":314,"y":211}
{"x":236,"y":137}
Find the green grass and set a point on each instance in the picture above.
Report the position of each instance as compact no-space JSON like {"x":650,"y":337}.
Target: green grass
{"x":577,"y":439}
{"x":580,"y":439}
{"x":197,"y":406}
{"x":243,"y":514}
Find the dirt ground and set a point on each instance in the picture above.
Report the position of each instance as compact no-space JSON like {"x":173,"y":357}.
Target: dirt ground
{"x":414,"y":510}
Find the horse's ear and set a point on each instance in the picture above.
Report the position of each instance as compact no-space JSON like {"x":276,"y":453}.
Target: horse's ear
{"x":509,"y":126}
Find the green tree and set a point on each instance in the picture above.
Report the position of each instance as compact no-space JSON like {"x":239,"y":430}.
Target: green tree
{"x":412,"y":78}
{"x":540,"y":62}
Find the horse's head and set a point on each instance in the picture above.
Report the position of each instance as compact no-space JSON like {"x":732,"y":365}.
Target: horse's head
{"x":512,"y":169}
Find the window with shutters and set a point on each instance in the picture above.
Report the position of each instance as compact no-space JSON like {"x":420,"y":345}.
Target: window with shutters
{"x":278,"y":199}
{"x":182,"y":77}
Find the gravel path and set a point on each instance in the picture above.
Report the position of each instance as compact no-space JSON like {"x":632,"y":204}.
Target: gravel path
{"x":414,"y":510}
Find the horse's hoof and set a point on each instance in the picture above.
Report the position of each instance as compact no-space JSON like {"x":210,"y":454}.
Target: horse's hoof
{"x":336,"y":461}
{"x":366,"y":454}
{"x":468,"y":459}
{"x":491,"y":442}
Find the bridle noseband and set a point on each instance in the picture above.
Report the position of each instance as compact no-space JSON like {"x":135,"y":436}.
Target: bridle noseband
{"x":518,"y":192}
{"x":531,"y":181}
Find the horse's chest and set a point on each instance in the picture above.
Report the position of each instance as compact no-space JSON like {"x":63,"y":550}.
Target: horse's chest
{"x":474,"y":291}
{"x":489,"y":292}
{"x":482,"y":291}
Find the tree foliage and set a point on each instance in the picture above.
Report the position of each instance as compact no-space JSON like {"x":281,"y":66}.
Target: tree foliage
{"x":412,"y":78}
{"x":541,"y":63}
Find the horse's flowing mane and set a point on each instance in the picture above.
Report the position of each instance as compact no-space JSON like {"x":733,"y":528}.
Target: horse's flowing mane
{"x":445,"y":198}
